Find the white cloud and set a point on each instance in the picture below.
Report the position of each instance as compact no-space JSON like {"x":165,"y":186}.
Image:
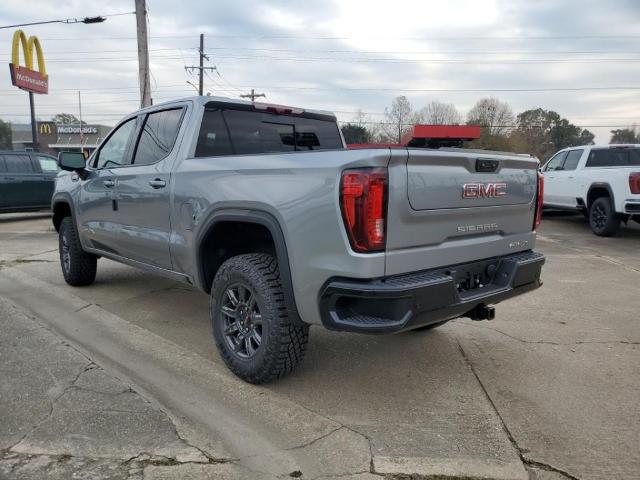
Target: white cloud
{"x":329,"y":48}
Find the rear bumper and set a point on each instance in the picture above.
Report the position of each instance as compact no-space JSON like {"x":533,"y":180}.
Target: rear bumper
{"x":405,"y":302}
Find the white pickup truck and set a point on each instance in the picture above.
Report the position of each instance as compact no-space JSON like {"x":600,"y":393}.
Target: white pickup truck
{"x":601,"y":181}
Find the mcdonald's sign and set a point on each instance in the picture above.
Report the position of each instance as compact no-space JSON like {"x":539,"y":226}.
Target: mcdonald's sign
{"x":26,"y":78}
{"x":45,"y":128}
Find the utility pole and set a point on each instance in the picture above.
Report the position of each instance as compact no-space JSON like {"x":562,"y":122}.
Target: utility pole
{"x":253,"y":95}
{"x":143,"y":53}
{"x":81,"y":134}
{"x":200,"y":68}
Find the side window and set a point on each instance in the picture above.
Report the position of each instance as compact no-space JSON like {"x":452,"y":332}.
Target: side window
{"x":47,"y":164}
{"x":158,"y":136}
{"x":573,"y":157}
{"x":113,"y":152}
{"x":18,"y":164}
{"x":213,"y":139}
{"x":556,"y":162}
{"x":599,"y":158}
{"x":614,"y":157}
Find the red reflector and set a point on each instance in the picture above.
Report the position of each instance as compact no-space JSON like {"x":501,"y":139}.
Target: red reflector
{"x":539,"y":202}
{"x":363,"y":199}
{"x":634,"y":182}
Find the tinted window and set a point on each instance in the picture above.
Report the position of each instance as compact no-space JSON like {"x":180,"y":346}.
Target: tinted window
{"x":571,"y":162}
{"x":113,"y":152}
{"x":246,"y":136}
{"x":316,"y":135}
{"x":18,"y":164}
{"x":47,"y":164}
{"x":213,"y":139}
{"x":257,"y":132}
{"x":556,"y":162}
{"x":158,"y":136}
{"x":614,"y":157}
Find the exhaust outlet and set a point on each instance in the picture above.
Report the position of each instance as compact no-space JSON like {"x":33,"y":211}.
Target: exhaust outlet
{"x":482,"y":312}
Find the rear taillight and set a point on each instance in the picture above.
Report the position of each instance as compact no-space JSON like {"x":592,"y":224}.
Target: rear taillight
{"x":539,"y":202}
{"x":363,"y":200}
{"x":634,"y":182}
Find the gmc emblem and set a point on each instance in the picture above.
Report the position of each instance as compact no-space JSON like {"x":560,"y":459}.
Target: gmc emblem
{"x":484,"y":190}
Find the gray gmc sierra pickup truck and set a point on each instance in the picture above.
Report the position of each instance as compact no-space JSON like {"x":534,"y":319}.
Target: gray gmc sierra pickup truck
{"x":262,"y":207}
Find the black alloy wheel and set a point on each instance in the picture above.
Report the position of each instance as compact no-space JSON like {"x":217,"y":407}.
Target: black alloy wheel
{"x":242,"y":320}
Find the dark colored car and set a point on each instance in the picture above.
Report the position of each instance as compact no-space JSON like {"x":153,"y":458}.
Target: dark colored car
{"x":27,"y":180}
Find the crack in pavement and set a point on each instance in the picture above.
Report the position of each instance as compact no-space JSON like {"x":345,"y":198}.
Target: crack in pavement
{"x":521,"y":451}
{"x":547,"y":342}
{"x":52,"y":401}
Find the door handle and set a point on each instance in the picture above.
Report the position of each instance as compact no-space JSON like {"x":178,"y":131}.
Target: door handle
{"x":9,"y":178}
{"x":157,"y":183}
{"x":108,"y":183}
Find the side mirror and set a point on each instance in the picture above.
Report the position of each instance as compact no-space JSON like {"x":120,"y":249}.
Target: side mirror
{"x":71,"y":161}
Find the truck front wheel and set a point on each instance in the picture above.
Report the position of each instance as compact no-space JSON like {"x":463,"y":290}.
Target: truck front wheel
{"x":603,"y":219}
{"x":255,"y":336}
{"x":78,"y":267}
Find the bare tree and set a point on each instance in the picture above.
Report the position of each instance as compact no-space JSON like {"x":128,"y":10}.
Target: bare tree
{"x":439,"y":113}
{"x":398,"y":119}
{"x":360,"y":118}
{"x":496,"y":116}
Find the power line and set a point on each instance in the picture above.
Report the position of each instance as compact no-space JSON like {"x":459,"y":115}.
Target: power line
{"x":395,"y":52}
{"x":365,"y":37}
{"x":87,"y":20}
{"x":533,"y":61}
{"x":367,"y":89}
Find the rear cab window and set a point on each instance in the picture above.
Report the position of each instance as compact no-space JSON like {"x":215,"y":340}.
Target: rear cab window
{"x":614,"y":157}
{"x":231,"y":131}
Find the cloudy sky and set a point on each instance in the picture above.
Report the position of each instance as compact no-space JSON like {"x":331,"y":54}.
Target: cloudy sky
{"x":580,"y":58}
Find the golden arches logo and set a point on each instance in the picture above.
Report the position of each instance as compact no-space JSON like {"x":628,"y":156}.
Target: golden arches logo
{"x":26,"y":77}
{"x":45,"y":128}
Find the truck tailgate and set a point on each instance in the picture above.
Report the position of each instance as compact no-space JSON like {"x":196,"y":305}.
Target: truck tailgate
{"x":453,"y":206}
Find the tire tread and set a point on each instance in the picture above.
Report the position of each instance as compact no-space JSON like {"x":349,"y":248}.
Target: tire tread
{"x":83,"y":265}
{"x":287,"y":342}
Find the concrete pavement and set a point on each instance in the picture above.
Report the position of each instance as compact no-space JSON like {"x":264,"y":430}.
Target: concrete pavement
{"x":549,"y":386}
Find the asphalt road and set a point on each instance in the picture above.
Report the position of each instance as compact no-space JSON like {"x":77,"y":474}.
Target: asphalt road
{"x":548,"y":390}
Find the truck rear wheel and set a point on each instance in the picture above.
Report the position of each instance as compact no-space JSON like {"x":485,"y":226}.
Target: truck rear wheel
{"x":255,"y":336}
{"x":78,"y":267}
{"x":602,"y":217}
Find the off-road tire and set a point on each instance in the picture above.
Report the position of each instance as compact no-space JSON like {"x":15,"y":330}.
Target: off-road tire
{"x":283,"y":339}
{"x":603,"y":219}
{"x":80,"y":268}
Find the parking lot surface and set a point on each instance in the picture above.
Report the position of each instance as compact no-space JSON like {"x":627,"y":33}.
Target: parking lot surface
{"x":549,"y":389}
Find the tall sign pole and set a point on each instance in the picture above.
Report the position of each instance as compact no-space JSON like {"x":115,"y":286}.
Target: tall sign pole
{"x":25,"y":77}
{"x":143,"y":53}
{"x":34,"y":130}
